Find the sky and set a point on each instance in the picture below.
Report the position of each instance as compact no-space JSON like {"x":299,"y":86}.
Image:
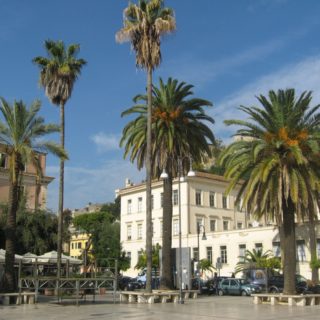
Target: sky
{"x":230,"y":50}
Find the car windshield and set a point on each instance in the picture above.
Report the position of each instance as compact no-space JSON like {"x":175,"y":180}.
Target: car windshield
{"x":300,"y":279}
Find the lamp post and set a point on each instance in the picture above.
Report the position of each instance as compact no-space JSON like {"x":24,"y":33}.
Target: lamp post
{"x":164,"y":175}
{"x":199,"y":226}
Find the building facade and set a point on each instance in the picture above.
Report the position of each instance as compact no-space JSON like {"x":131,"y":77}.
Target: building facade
{"x":229,"y":230}
{"x":35,"y":191}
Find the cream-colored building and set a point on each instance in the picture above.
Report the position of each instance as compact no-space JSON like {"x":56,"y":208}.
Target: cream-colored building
{"x":229,"y":231}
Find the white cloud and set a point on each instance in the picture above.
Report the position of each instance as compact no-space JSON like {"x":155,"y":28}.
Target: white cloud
{"x":201,"y":72}
{"x":303,"y":76}
{"x":83,"y":185}
{"x":106,"y":142}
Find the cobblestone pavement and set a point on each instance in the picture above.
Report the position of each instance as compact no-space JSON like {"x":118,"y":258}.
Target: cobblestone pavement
{"x":203,"y":308}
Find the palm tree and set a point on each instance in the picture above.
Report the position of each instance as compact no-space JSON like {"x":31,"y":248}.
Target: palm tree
{"x":144,"y":25}
{"x":59,"y":72}
{"x":22,"y":131}
{"x":179,"y":132}
{"x":278,"y":164}
{"x":257,"y":259}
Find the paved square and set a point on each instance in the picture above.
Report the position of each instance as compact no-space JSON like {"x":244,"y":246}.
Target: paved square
{"x":203,"y":308}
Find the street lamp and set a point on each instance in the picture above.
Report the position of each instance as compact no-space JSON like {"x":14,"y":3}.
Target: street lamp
{"x":164,"y":175}
{"x":199,"y":226}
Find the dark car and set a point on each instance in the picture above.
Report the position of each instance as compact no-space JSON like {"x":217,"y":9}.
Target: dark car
{"x":207,"y":286}
{"x":233,"y":286}
{"x":213,"y":284}
{"x":276,"y":284}
{"x":199,"y":284}
{"x":129,"y":284}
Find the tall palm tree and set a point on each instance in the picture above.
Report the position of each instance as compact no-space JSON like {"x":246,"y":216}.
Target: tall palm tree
{"x":179,"y":132}
{"x":58,"y":74}
{"x":144,"y":25}
{"x":22,"y":131}
{"x":279,"y":162}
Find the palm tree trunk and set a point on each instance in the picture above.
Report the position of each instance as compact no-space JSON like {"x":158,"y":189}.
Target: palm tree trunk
{"x":61,"y":193}
{"x":148,"y":186}
{"x":313,"y":247}
{"x":166,"y":272}
{"x":288,"y":244}
{"x":9,"y":283}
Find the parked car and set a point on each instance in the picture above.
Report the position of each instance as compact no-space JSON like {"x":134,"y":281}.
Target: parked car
{"x":199,"y":284}
{"x":276,"y":284}
{"x":213,"y":284}
{"x":207,"y":286}
{"x":129,"y":284}
{"x":233,"y":286}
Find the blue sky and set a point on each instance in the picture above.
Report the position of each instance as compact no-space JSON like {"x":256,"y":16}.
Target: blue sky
{"x":230,"y":50}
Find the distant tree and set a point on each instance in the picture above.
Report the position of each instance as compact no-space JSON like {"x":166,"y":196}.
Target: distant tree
{"x":104,"y":234}
{"x":113,"y":208}
{"x":142,"y":261}
{"x":36,"y":231}
{"x":205,"y":265}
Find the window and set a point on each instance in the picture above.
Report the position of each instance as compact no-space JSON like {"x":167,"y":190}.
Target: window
{"x":258,"y":247}
{"x":152,"y":201}
{"x":212,"y":199}
{"x":225,"y":225}
{"x":224,"y":202}
{"x":195,"y":254}
{"x":175,"y":197}
{"x":198,"y":197}
{"x":276,"y":249}
{"x":233,"y":283}
{"x":161,"y":200}
{"x":199,"y":222}
{"x":209,"y":254}
{"x":72,"y":245}
{"x":213,"y":225}
{"x":223,"y":254}
{"x":140,"y":204}
{"x":318,"y":248}
{"x":140,"y":231}
{"x":140,"y":253}
{"x":79,"y":245}
{"x":175,"y":227}
{"x":129,"y":232}
{"x":3,"y":160}
{"x":129,"y":206}
{"x":129,"y":257}
{"x":242,"y":252}
{"x":239,"y":225}
{"x":301,"y":254}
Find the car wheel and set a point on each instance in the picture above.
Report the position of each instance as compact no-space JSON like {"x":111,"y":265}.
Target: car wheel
{"x":220,"y":293}
{"x":125,"y":288}
{"x":273,"y":290}
{"x":243,"y":293}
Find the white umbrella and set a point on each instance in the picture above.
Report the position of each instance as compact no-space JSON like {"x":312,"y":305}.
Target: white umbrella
{"x":29,"y":257}
{"x":17,"y":257}
{"x":52,"y":257}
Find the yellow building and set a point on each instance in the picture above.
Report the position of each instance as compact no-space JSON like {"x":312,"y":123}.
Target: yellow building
{"x":78,"y":243}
